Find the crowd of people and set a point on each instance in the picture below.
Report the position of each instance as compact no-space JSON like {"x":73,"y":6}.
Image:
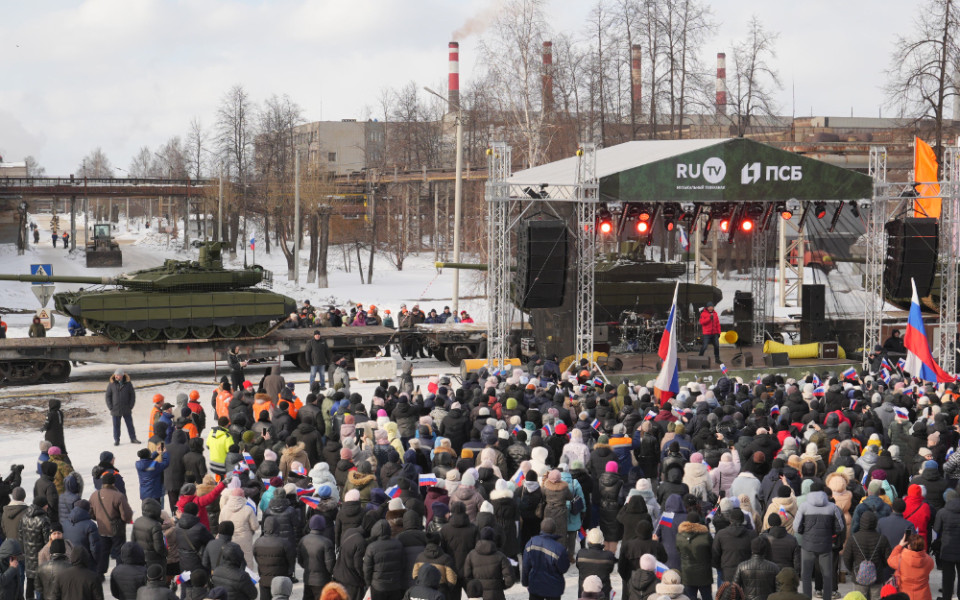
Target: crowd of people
{"x":775,"y":488}
{"x":357,"y":316}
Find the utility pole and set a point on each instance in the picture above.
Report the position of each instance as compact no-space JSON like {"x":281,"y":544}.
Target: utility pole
{"x":296,"y":216}
{"x":457,"y":212}
{"x":220,"y":213}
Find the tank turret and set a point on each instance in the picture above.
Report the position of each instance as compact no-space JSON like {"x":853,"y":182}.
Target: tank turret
{"x":179,"y":300}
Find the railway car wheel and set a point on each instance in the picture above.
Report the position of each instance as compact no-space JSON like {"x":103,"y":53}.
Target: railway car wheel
{"x":449,"y":356}
{"x":148,"y":334}
{"x":118,"y":334}
{"x":175,"y":333}
{"x":229,"y":331}
{"x":203,"y":332}
{"x":457,"y":354}
{"x":57,"y":371}
{"x":258,"y":329}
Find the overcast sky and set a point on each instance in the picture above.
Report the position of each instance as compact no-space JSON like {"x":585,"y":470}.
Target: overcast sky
{"x":122,"y":74}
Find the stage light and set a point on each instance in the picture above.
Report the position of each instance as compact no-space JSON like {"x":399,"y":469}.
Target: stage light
{"x":785,"y":213}
{"x":643,"y":227}
{"x":668,"y":224}
{"x":725,"y":225}
{"x":644,"y":215}
{"x":820,"y":209}
{"x":604,"y":221}
{"x":854,"y":208}
{"x":746,"y":225}
{"x":606,"y":227}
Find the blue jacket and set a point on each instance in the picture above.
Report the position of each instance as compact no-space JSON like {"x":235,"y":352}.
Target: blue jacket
{"x":82,"y":531}
{"x":75,"y":328}
{"x":150,"y":474}
{"x":44,"y":457}
{"x":545,"y":561}
{"x":574,"y":522}
{"x":168,"y":419}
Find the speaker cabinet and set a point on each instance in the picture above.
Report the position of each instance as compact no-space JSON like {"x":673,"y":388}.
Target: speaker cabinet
{"x":776,"y":359}
{"x":541,"y":264}
{"x":814,"y":331}
{"x":912,"y":246}
{"x":698,"y":362}
{"x":813,"y":303}
{"x":743,"y":317}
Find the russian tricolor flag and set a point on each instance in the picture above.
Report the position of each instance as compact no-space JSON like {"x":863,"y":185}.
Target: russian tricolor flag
{"x":901,"y":363}
{"x":819,"y":392}
{"x":581,"y":535}
{"x":517,"y":429}
{"x":249,"y":460}
{"x":661,"y":569}
{"x":517,"y":478}
{"x":667,"y":384}
{"x":428,"y":479}
{"x":595,"y":424}
{"x":598,"y":382}
{"x":774,"y":411}
{"x":393,"y":491}
{"x":306,"y":491}
{"x":885,"y":376}
{"x":650,"y":415}
{"x":182,"y":578}
{"x":723,"y":369}
{"x":310,"y":501}
{"x":782,"y":511}
{"x":816,"y":380}
{"x":886,"y":364}
{"x":666,"y":519}
{"x":548,"y":430}
{"x":850,"y":373}
{"x":901,"y":412}
{"x":920,"y":362}
{"x":684,"y":239}
{"x":759,"y":379}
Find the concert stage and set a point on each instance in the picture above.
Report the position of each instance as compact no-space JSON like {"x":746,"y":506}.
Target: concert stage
{"x":644,"y":366}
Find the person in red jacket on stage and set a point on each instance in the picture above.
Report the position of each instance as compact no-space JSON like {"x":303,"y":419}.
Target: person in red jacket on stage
{"x":710,"y":324}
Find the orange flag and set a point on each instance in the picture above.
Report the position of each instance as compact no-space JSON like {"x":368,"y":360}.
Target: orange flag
{"x":925,"y":173}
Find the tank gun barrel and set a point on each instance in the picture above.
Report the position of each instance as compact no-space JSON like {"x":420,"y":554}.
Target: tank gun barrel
{"x":59,"y":279}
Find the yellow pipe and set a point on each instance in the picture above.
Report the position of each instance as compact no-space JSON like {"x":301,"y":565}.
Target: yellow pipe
{"x":811,"y":350}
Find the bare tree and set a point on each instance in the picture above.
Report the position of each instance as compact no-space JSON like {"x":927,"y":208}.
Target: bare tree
{"x":142,"y":164}
{"x":33,"y":167}
{"x":755,"y":80}
{"x":512,"y":56}
{"x":923,"y":71}
{"x":171,"y":160}
{"x":234,"y":137}
{"x":95,"y":165}
{"x":194,"y":147}
{"x":687,"y":24}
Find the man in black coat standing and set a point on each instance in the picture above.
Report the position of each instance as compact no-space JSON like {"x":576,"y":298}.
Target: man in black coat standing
{"x":79,"y":580}
{"x":275,"y":556}
{"x":317,"y":557}
{"x":318,"y":357}
{"x":121,"y":397}
{"x":49,"y":572}
{"x":231,"y":575}
{"x":384,"y":565}
{"x":156,"y":588}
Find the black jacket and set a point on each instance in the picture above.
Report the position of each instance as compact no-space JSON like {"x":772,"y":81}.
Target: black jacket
{"x":784,"y":548}
{"x":173,"y":475}
{"x":383,"y":561}
{"x":148,"y":533}
{"x":11,"y":585}
{"x":79,"y":581}
{"x":192,"y":538}
{"x":642,"y":585}
{"x":349,"y":568}
{"x":34,"y":534}
{"x":350,"y":516}
{"x":868,"y":544}
{"x":214,"y":550}
{"x":757,"y":577}
{"x":427,"y":587}
{"x":286,"y":519}
{"x":731,"y":546}
{"x":695,"y":547}
{"x":49,"y":574}
{"x":609,"y":486}
{"x":317,"y":557}
{"x":130,"y":574}
{"x":81,"y":530}
{"x":458,"y":536}
{"x":156,"y":590}
{"x":232,"y":576}
{"x":317,"y":353}
{"x":120,"y":396}
{"x":456,"y":427}
{"x":947,"y":526}
{"x":594,"y":560}
{"x":275,"y":555}
{"x":490,"y":567}
{"x":46,"y":488}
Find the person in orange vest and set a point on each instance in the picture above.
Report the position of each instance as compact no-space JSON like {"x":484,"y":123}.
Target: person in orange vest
{"x":224,"y":396}
{"x":155,"y":413}
{"x":291,"y":399}
{"x":261,"y":402}
{"x":199,"y":416}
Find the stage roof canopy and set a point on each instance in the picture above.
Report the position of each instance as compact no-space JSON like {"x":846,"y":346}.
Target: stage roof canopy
{"x":714,"y":170}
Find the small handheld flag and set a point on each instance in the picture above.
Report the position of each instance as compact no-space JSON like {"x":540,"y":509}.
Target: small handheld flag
{"x":713,"y":511}
{"x":517,"y":478}
{"x":816,"y":380}
{"x":901,"y":363}
{"x":650,"y":414}
{"x":774,"y":411}
{"x":253,"y":576}
{"x":666,"y":519}
{"x":392,"y":491}
{"x":581,"y":535}
{"x":850,"y":373}
{"x":183,"y":577}
{"x":517,"y":429}
{"x":684,"y":240}
{"x":253,"y":243}
{"x":548,"y":430}
{"x":249,"y":460}
{"x":885,"y":376}
{"x":723,"y":369}
{"x":886,"y":364}
{"x":782,"y":511}
{"x":759,"y":379}
{"x":428,"y":479}
{"x":901,"y":412}
{"x":595,"y":424}
{"x":310,"y":501}
{"x":598,"y":382}
{"x":661,"y":569}
{"x":310,"y":491}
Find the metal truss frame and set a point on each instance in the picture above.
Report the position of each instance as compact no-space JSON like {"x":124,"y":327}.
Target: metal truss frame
{"x":507,"y":203}
{"x":876,"y":243}
{"x":948,"y":256}
{"x":758,"y":285}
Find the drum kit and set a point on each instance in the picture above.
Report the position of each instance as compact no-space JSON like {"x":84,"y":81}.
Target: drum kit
{"x":640,"y":332}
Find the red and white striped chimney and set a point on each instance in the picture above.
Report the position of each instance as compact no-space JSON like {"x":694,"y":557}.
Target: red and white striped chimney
{"x":547,"y":77}
{"x":636,"y":54}
{"x":721,"y":83}
{"x":453,"y":83}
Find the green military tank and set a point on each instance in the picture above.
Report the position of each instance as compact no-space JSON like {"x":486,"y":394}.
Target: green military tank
{"x":178,"y":300}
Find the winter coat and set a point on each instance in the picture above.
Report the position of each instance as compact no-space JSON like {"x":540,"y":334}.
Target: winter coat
{"x":53,"y":426}
{"x":79,"y":581}
{"x":784,"y":548}
{"x":668,"y":533}
{"x":545,"y":561}
{"x":290,"y":455}
{"x":214,"y":550}
{"x":726,"y":471}
{"x":556,"y":497}
{"x":874,"y":504}
{"x":316,"y":555}
{"x":317,"y":353}
{"x":49,"y":574}
{"x":348,"y":569}
{"x":11,"y":584}
{"x":194,"y":462}
{"x":491,"y":568}
{"x":33,"y":535}
{"x":459,"y":536}
{"x":695,"y":546}
{"x":787,"y":584}
{"x":72,"y":488}
{"x":747,"y":483}
{"x":156,"y":590}
{"x":46,"y":488}
{"x":148,"y":533}
{"x":236,"y":510}
{"x":362,"y":483}
{"x":383,"y":561}
{"x":108,"y":503}
{"x":349,"y":516}
{"x":150,"y":474}
{"x":231,"y":575}
{"x":203,"y":501}
{"x":174,"y":473}
{"x":867,"y":544}
{"x":130,"y":573}
{"x":192,"y":537}
{"x":757,"y":576}
{"x":594,"y":560}
{"x":731,"y":546}
{"x":641,"y":586}
{"x":285,"y":517}
{"x":275,"y":555}
{"x":273,"y":384}
{"x":789,"y":506}
{"x":120,"y":396}
{"x":819,"y":522}
{"x":427,"y":586}
{"x":13,"y":513}
{"x":914,"y":569}
{"x":631,"y":513}
{"x":471,"y":499}
{"x":81,"y":530}
{"x":609,"y":486}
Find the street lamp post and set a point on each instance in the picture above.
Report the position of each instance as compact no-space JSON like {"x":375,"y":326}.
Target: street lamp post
{"x":457,"y":203}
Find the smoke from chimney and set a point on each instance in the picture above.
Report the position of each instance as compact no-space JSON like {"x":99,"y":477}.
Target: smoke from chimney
{"x":479,"y":22}
{"x":453,"y":82}
{"x":721,"y":83}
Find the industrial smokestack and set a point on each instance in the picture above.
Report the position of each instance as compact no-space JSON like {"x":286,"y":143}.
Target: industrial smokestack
{"x":547,"y":77}
{"x":721,"y":83}
{"x":636,"y":88}
{"x":453,"y":84}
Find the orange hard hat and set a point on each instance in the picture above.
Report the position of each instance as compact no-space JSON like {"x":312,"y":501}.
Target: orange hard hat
{"x":371,"y":307}
{"x":387,"y":311}
{"x":194,"y":395}
{"x":157,"y":398}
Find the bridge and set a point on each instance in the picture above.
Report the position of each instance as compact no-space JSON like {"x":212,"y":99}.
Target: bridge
{"x":47,"y":187}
